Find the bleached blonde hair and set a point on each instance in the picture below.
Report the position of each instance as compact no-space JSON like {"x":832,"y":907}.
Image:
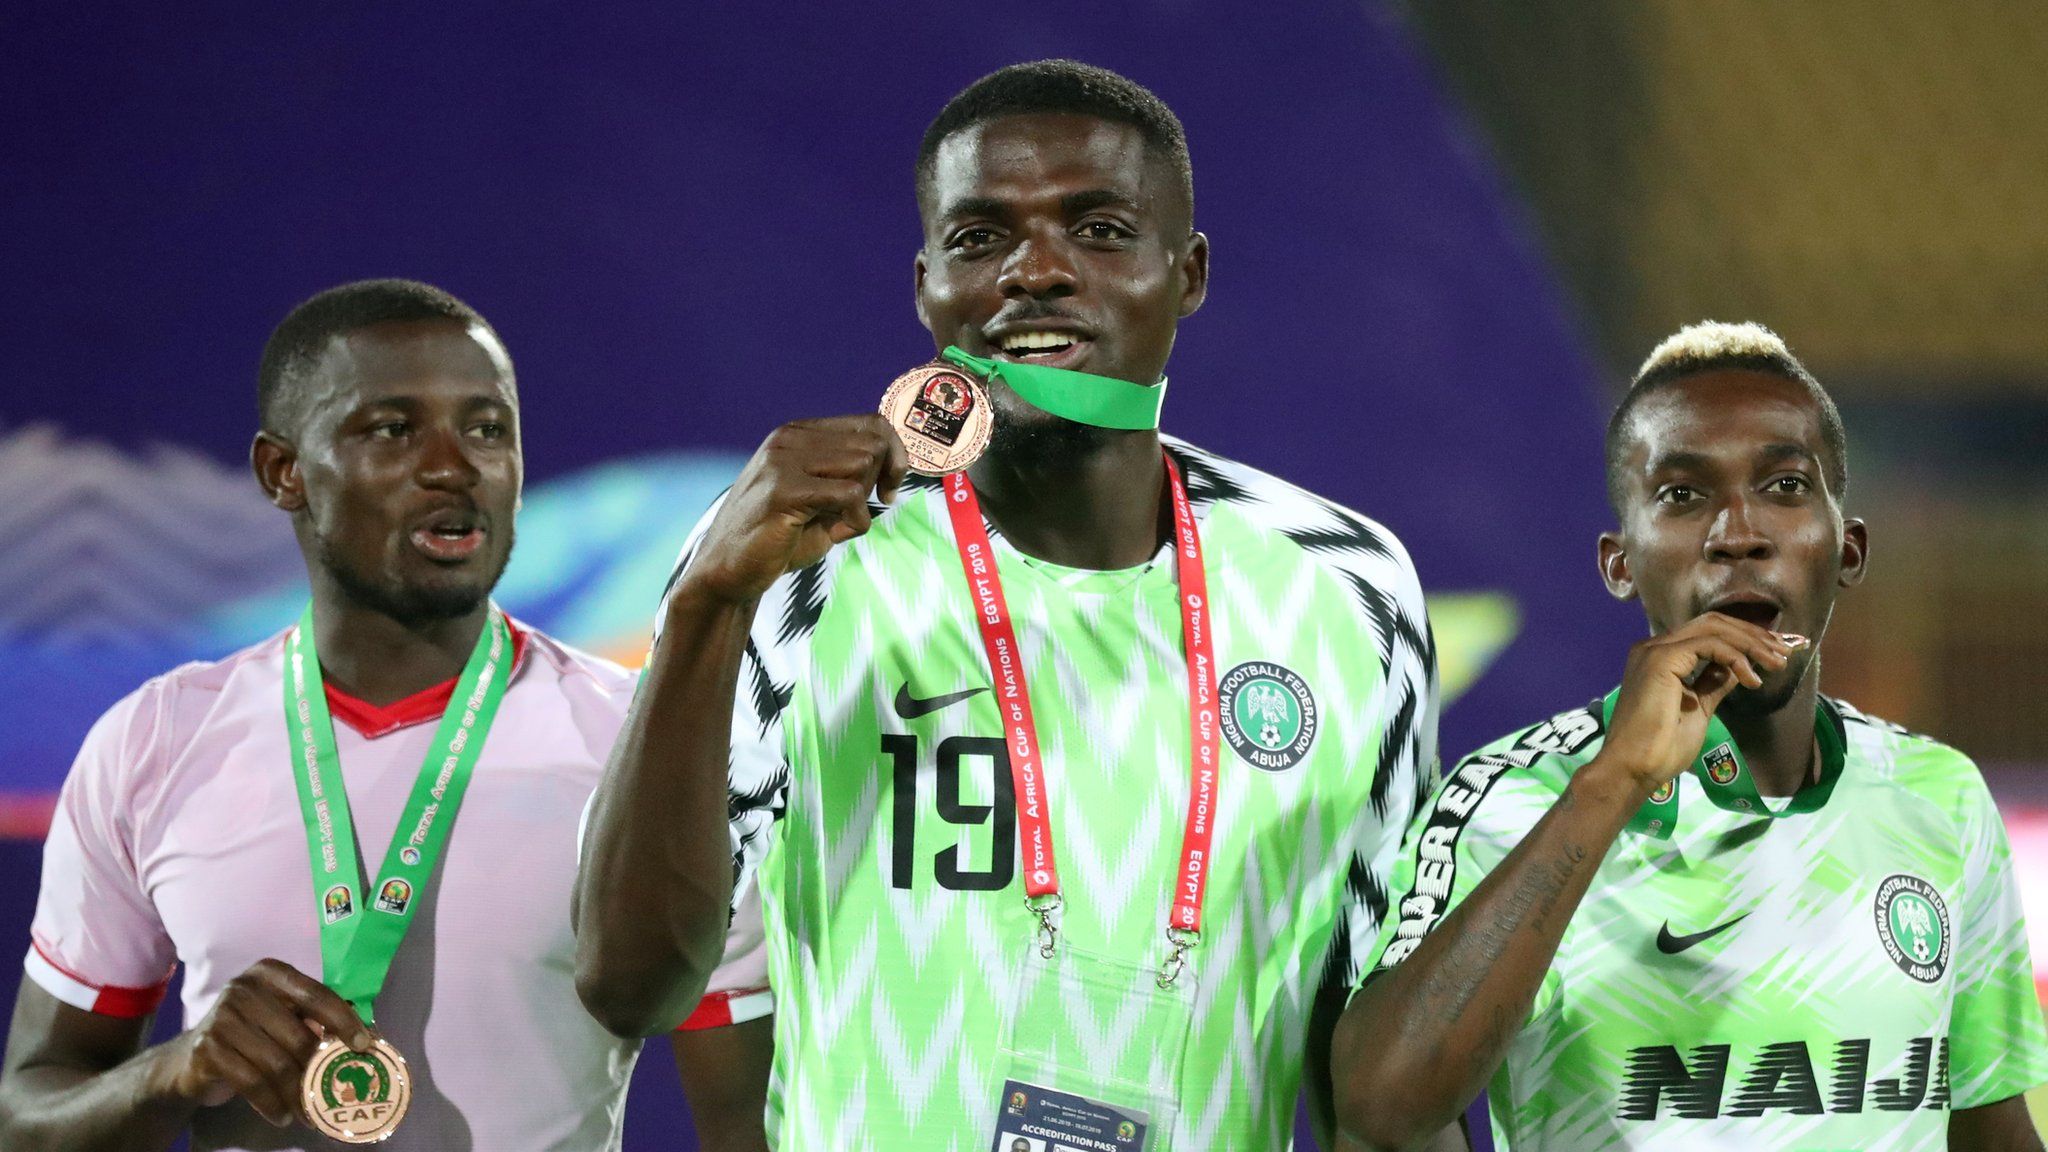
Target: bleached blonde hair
{"x":1718,"y":346}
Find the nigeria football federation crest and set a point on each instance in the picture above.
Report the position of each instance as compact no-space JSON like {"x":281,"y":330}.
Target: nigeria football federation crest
{"x":1912,"y":923}
{"x":1269,"y":715}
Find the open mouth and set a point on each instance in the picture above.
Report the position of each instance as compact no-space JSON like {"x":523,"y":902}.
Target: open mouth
{"x":1750,"y":609}
{"x":449,"y":537}
{"x":1057,"y":348}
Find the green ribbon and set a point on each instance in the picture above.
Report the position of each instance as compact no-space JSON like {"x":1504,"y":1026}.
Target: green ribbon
{"x":360,"y":932}
{"x":1082,"y":397}
{"x":1724,"y":774}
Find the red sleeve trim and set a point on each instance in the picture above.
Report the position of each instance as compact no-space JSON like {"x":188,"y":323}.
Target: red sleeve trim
{"x":723,"y":1009}
{"x":101,"y":1000}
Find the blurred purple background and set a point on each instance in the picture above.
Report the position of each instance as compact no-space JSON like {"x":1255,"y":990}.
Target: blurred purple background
{"x":691,"y":223}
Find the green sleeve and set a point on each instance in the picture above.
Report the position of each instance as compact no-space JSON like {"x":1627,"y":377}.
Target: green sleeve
{"x":1998,"y":1047}
{"x":1478,"y":814}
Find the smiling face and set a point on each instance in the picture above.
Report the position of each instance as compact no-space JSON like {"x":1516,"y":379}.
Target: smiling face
{"x":403,"y":467}
{"x":1059,"y":240}
{"x":1725,"y":507}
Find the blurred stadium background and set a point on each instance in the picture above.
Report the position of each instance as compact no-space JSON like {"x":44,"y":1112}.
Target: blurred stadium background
{"x":1444,"y":235}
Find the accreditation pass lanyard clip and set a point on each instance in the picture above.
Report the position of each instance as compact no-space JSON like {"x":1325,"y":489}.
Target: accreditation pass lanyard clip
{"x":1020,"y":729}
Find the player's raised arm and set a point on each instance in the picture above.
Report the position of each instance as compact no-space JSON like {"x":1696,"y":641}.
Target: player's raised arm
{"x":1420,"y":1040}
{"x":655,"y":887}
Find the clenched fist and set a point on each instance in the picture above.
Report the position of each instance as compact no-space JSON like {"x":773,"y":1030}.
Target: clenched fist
{"x":804,"y":491}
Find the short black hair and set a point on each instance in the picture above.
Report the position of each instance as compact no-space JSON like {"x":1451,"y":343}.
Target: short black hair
{"x":1712,"y":346}
{"x":1059,"y":87}
{"x":298,"y":342}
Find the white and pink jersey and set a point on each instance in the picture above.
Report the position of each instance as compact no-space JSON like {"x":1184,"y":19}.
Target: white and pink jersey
{"x":178,"y":840}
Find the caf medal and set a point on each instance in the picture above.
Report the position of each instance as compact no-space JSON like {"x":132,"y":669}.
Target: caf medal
{"x":356,"y":1097}
{"x":943,"y":416}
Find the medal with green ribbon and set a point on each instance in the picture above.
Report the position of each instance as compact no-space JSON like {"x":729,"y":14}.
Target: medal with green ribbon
{"x":941,"y":410}
{"x":1084,"y":398}
{"x":1724,"y":775}
{"x":359,"y":1097}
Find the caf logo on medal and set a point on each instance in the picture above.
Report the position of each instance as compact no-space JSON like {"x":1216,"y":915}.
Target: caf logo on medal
{"x":356,"y":1097}
{"x":1269,"y":714}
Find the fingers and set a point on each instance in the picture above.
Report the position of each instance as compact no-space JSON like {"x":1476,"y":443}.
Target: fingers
{"x":841,"y":503}
{"x":1711,"y":652}
{"x":894,"y":469}
{"x":1714,"y":684}
{"x":252,"y":1065}
{"x":1745,"y":650}
{"x":257,"y":1040}
{"x":311,"y":1000}
{"x":283,"y":1025}
{"x":826,"y":469}
{"x":863,"y":448}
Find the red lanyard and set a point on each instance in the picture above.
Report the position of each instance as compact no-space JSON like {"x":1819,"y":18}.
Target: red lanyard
{"x":1013,"y":701}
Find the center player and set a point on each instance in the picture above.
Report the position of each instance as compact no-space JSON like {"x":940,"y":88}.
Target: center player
{"x":822,"y":686}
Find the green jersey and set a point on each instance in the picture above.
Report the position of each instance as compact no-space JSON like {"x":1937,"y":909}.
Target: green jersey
{"x":872,"y":804}
{"x":1836,"y":979}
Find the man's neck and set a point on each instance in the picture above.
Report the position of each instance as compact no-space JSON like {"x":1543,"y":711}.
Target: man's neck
{"x":1094,"y":506}
{"x":1779,"y":746}
{"x":378,"y":658}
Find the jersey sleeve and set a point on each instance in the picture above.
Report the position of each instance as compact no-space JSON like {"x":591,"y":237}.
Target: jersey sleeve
{"x":1997,"y":1044}
{"x":96,"y":941}
{"x":1406,"y":766}
{"x":757,"y":770}
{"x":1477,"y":815}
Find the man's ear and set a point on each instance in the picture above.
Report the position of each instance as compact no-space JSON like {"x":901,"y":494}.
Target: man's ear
{"x":1855,"y":553}
{"x":918,"y":290}
{"x":1194,"y":270}
{"x":1614,"y":567}
{"x":276,"y":465}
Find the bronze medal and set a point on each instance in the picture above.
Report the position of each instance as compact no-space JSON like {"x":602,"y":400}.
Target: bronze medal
{"x":356,"y":1097}
{"x":943,"y":416}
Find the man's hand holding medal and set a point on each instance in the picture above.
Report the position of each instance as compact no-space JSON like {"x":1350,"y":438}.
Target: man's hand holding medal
{"x":258,"y":1042}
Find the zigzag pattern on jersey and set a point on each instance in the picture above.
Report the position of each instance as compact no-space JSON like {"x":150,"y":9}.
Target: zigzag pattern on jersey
{"x":1365,"y":559}
{"x":1316,"y":879}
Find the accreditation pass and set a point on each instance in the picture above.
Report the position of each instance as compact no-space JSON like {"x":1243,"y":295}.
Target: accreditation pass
{"x":1039,"y":1119}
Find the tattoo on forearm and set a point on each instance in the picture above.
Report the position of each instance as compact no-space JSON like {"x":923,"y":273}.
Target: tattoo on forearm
{"x":1452,"y":988}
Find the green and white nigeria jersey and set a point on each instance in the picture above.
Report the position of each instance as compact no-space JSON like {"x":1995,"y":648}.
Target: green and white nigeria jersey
{"x":871,"y":801}
{"x":1834,"y":980}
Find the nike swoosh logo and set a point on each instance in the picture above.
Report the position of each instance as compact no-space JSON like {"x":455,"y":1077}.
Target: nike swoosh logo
{"x":1672,"y":945}
{"x":911,"y":707}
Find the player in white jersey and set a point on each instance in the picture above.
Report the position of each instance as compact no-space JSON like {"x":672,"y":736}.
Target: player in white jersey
{"x":390,"y":433}
{"x":1714,"y":910}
